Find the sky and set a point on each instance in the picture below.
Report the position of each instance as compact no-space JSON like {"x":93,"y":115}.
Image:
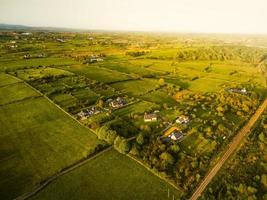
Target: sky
{"x":208,"y":16}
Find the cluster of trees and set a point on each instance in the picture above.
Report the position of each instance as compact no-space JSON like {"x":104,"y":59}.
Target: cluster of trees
{"x":245,"y":176}
{"x":169,"y":160}
{"x":136,"y":53}
{"x":123,"y":127}
{"x":111,"y":137}
{"x":246,"y":54}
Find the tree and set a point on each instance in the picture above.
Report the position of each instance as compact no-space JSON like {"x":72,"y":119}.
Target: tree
{"x":140,"y":139}
{"x":100,"y":103}
{"x":111,"y":136}
{"x":175,"y":148}
{"x":161,"y":81}
{"x":167,"y":158}
{"x":264,"y":180}
{"x":122,"y":145}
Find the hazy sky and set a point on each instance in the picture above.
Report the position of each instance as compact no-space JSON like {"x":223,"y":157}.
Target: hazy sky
{"x":233,"y":16}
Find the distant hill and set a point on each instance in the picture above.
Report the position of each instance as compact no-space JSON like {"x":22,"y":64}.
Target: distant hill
{"x":13,"y":27}
{"x":8,"y":27}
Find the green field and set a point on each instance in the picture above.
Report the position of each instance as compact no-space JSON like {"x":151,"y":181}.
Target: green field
{"x":37,"y":140}
{"x":96,"y":73}
{"x":16,"y":92}
{"x":136,"y":87}
{"x":19,"y":63}
{"x":135,"y":108}
{"x":109,"y":176}
{"x":196,"y":144}
{"x":5,"y":79}
{"x":32,"y":74}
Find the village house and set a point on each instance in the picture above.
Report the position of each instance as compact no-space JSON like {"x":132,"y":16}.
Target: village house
{"x":118,"y":102}
{"x":26,"y":33}
{"x":41,"y":55}
{"x":84,"y":114}
{"x":172,"y":133}
{"x":95,"y":58}
{"x":13,"y":46}
{"x":150,"y":117}
{"x":60,"y":40}
{"x":27,"y":56}
{"x":182,"y":120}
{"x":238,"y":90}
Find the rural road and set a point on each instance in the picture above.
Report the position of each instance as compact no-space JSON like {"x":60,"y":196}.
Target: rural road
{"x":232,"y":147}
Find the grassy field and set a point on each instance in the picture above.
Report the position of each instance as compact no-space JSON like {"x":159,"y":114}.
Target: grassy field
{"x":196,"y":144}
{"x":135,"y":108}
{"x":36,"y":141}
{"x":32,"y":74}
{"x":136,"y":87}
{"x":6,"y":79}
{"x":110,"y":176}
{"x":96,"y":73}
{"x":19,"y":63}
{"x":16,"y":92}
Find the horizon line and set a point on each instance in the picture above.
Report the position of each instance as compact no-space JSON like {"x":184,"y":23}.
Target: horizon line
{"x":75,"y":29}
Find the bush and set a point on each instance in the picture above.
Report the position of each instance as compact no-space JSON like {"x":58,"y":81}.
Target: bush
{"x":104,"y":133}
{"x":122,"y":145}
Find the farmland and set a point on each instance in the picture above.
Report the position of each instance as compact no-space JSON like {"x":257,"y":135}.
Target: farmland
{"x":108,"y":173}
{"x":36,"y":143}
{"x":65,"y":96}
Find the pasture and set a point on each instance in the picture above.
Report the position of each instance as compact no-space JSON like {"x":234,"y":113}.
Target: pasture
{"x":109,"y":176}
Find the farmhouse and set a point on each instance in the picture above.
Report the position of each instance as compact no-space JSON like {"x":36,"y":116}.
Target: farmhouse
{"x":26,"y":33}
{"x":13,"y":46}
{"x":150,"y":117}
{"x":238,"y":90}
{"x":41,"y":55}
{"x":26,"y":56}
{"x":95,"y":58}
{"x":172,"y":133}
{"x":60,"y":40}
{"x":84,"y":114}
{"x":118,"y":102}
{"x":182,"y":120}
